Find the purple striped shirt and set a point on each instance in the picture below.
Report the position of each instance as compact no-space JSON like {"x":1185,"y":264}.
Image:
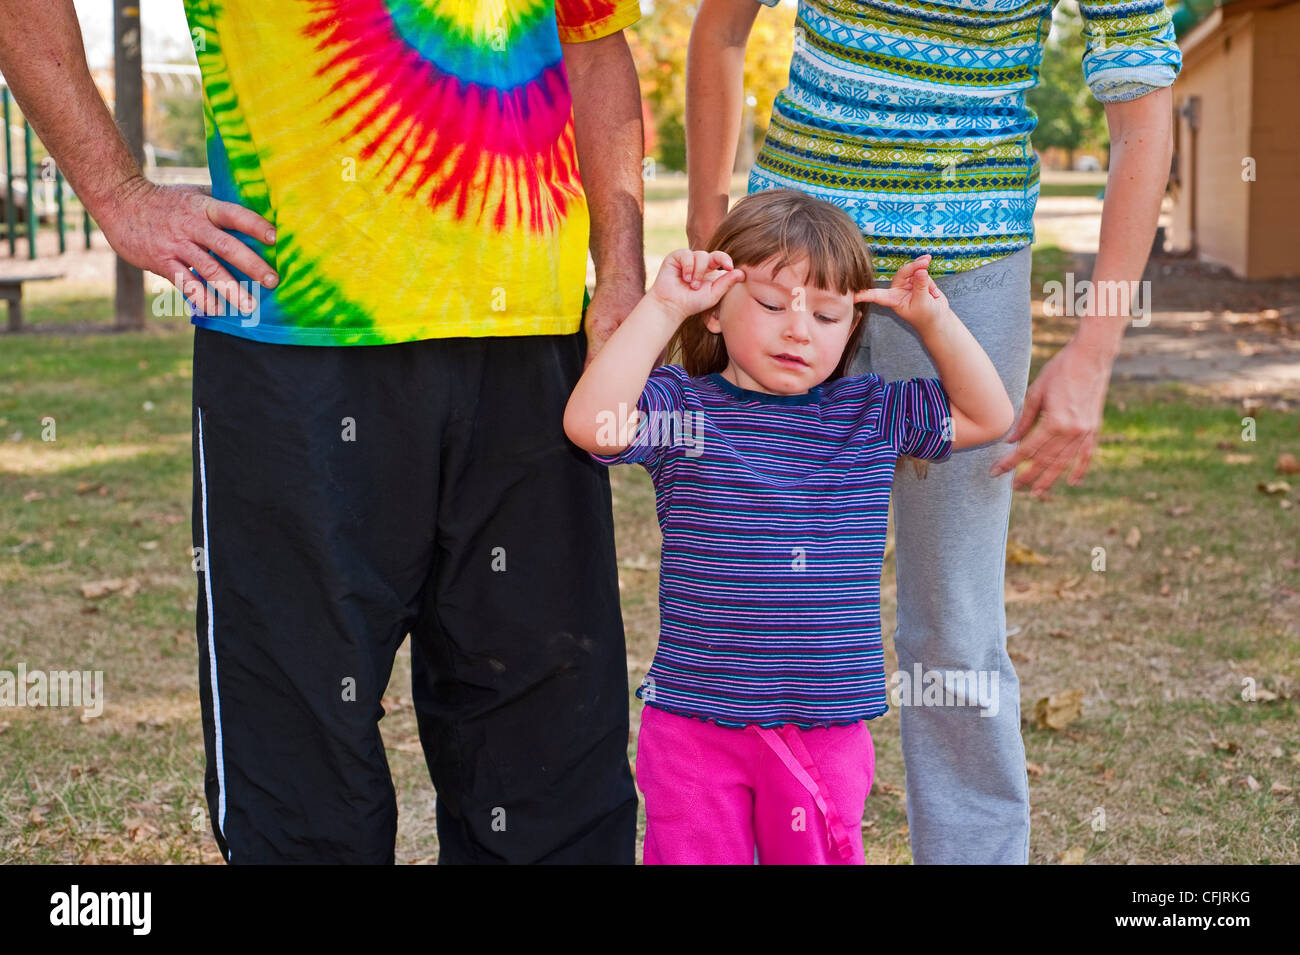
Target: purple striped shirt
{"x":773,"y":510}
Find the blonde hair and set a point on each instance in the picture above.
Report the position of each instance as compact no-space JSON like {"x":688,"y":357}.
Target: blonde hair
{"x":785,"y":225}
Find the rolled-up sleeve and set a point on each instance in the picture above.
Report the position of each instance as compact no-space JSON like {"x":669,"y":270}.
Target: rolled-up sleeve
{"x":1130,"y":49}
{"x":583,"y":20}
{"x":917,"y":418}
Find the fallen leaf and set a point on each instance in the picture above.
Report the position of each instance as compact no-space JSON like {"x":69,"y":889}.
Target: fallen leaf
{"x":1073,"y":856}
{"x":1033,"y":769}
{"x":1274,"y":487}
{"x":1287,"y":464}
{"x":1018,"y":553}
{"x":1279,"y":789}
{"x":93,"y":590}
{"x":1133,"y":538}
{"x":87,"y":487}
{"x":137,"y":829}
{"x":33,"y":496}
{"x":1251,"y":783}
{"x":1059,"y":709}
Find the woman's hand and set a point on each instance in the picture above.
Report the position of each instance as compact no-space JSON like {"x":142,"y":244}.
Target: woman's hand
{"x":690,"y":282}
{"x":912,"y":294}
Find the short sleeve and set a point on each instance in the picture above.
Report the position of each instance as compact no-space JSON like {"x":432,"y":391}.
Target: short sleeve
{"x":659,"y":427}
{"x":917,"y":418}
{"x":583,"y":20}
{"x":1130,"y":48}
{"x":769,"y":3}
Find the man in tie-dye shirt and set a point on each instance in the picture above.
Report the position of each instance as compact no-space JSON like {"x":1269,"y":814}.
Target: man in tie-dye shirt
{"x":388,"y":289}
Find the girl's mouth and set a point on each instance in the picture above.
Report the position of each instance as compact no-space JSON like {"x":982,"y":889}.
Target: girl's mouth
{"x":792,"y":361}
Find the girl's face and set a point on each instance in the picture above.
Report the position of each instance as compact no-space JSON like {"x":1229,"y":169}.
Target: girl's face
{"x":783,"y":337}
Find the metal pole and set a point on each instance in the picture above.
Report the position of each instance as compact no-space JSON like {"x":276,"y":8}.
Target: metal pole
{"x":58,"y":198}
{"x":11,"y":219}
{"x":28,"y":173}
{"x":128,"y":106}
{"x":85,"y":223}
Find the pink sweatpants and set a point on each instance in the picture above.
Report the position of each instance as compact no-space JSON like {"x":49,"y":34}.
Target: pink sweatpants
{"x":713,"y":793}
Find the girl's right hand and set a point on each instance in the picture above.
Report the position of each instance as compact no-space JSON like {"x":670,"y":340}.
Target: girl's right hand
{"x":690,"y":282}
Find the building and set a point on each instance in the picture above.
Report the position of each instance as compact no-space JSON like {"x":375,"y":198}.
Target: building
{"x":1237,"y":139}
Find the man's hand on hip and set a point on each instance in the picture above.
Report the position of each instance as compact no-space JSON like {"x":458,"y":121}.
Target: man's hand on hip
{"x":170,"y":230}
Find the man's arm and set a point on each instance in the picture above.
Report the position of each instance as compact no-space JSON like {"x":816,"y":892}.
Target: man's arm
{"x":1069,"y":394}
{"x":167,"y":230}
{"x":611,"y":143}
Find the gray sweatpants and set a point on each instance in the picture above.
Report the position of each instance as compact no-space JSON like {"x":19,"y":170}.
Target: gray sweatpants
{"x":967,"y":790}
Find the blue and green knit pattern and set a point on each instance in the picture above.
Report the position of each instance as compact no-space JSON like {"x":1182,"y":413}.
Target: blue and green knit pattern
{"x":910,"y":115}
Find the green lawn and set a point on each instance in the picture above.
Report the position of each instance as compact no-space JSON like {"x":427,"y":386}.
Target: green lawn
{"x":1203,"y":599}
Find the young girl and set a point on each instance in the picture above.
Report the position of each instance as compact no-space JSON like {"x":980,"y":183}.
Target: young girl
{"x":772,"y":473}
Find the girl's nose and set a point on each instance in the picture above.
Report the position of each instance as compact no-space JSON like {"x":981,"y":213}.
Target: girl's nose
{"x":797,"y":327}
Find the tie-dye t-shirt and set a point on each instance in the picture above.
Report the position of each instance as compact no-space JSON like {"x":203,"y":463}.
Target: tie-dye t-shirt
{"x":416,"y":157}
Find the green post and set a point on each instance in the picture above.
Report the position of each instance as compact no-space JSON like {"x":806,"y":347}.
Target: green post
{"x":11,"y":222}
{"x":58,"y":197}
{"x":28,"y":172}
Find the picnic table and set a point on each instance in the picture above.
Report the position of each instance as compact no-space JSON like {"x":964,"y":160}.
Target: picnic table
{"x":11,"y":291}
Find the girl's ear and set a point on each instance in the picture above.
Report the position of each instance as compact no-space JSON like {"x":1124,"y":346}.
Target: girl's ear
{"x":711,"y":320}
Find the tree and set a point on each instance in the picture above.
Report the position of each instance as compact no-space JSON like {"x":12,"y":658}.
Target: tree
{"x":1069,"y":117}
{"x":659,"y":44}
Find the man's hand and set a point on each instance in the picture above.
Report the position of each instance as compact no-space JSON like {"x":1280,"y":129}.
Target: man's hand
{"x":172,"y":229}
{"x":1065,"y":403}
{"x":610,"y":304}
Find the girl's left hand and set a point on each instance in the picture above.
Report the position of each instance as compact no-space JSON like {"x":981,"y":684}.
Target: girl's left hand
{"x":912,"y":294}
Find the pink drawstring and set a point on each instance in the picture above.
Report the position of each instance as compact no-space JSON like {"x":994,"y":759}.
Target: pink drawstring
{"x":805,"y":770}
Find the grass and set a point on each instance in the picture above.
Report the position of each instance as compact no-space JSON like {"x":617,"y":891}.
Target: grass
{"x":1179,"y":767}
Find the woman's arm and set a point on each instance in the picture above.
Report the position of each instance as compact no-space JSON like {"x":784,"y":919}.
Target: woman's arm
{"x":715,"y":93}
{"x":1064,"y":404}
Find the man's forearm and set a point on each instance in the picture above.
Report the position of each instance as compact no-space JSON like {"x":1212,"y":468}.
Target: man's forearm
{"x":1141,"y":145}
{"x":611,"y":144}
{"x":44,"y":62}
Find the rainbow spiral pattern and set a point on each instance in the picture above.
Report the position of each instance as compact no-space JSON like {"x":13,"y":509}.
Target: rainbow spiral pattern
{"x":416,"y":156}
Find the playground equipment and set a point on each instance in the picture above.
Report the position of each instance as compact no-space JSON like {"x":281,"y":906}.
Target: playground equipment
{"x":25,"y":191}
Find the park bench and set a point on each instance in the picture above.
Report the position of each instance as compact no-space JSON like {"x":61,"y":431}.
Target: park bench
{"x":11,"y":291}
